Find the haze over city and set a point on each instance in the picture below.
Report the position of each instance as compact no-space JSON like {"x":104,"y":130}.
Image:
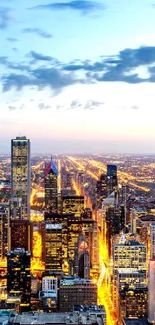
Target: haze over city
{"x":78,"y":76}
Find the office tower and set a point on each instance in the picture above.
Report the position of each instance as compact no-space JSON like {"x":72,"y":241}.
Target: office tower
{"x":112,"y":224}
{"x":151,"y":276}
{"x":152,"y":241}
{"x":49,"y":294}
{"x":133,"y":294}
{"x":55,"y":240}
{"x":131,"y":256}
{"x":111,"y":179}
{"x":101,"y":191}
{"x":4,"y":221}
{"x":73,"y":205}
{"x":75,"y":291}
{"x":18,"y":277}
{"x":21,"y":174}
{"x":51,"y":187}
{"x":20,"y":235}
{"x":151,"y":292}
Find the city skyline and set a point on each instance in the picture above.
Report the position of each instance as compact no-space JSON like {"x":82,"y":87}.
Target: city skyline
{"x":78,"y":76}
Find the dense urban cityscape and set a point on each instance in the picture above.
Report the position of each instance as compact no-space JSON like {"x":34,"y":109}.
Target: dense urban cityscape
{"x":77,"y":238}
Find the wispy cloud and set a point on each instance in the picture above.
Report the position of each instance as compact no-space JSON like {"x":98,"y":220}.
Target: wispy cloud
{"x":124,"y":67}
{"x":40,"y":57}
{"x":84,"y":6}
{"x":5,"y":17}
{"x":38,"y":32}
{"x":12,"y":39}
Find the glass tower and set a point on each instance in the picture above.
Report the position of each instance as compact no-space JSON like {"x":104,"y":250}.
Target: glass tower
{"x":51,"y":187}
{"x":20,"y":175}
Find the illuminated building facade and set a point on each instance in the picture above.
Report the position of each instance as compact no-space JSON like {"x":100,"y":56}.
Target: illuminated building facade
{"x":18,"y":276}
{"x":73,"y":205}
{"x":101,"y":190}
{"x":131,"y":256}
{"x":51,"y":187}
{"x":55,"y":240}
{"x":111,"y":179}
{"x":49,"y":293}
{"x":133,"y":303}
{"x":21,"y":173}
{"x":152,"y":240}
{"x":4,"y":220}
{"x":75,"y":291}
{"x":61,"y":236}
{"x":151,"y":292}
{"x":20,"y":235}
{"x":132,"y":292}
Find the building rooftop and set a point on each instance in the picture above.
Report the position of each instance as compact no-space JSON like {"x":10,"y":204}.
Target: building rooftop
{"x":140,"y":321}
{"x":58,"y":318}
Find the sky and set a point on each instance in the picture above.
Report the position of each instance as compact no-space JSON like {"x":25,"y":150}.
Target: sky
{"x":78,"y":76}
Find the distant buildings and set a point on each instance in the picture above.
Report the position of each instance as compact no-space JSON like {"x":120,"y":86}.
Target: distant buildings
{"x":20,"y":176}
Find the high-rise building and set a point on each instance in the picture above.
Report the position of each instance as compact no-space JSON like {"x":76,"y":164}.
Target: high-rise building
{"x":51,"y":187}
{"x":21,"y":174}
{"x":20,"y":235}
{"x":151,"y":292}
{"x":130,"y":255}
{"x":132,"y":291}
{"x":111,"y":179}
{"x":101,"y":190}
{"x":152,"y":241}
{"x":18,"y":276}
{"x":55,"y":240}
{"x":73,"y":205}
{"x":76,"y":291}
{"x":4,"y":221}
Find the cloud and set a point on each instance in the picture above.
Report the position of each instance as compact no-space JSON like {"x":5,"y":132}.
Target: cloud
{"x":124,"y":67}
{"x":11,"y":39}
{"x":135,"y":107}
{"x":12,"y":108}
{"x":92,"y":104}
{"x":40,"y":57}
{"x":120,"y":68}
{"x":43,"y":106}
{"x":75,"y":104}
{"x":4,"y":17}
{"x":38,"y":32}
{"x":84,"y":6}
{"x":40,"y":77}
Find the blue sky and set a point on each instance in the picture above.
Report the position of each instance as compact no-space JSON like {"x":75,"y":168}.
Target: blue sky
{"x":78,"y":76}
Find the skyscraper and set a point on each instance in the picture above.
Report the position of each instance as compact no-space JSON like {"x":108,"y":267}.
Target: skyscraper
{"x":51,"y":187}
{"x":151,"y":276}
{"x":4,"y":220}
{"x":18,"y":276}
{"x":111,"y":179}
{"x":21,"y":174}
{"x":20,"y":235}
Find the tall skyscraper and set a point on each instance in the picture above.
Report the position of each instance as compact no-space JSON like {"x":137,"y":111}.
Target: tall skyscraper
{"x":111,"y":179}
{"x":20,"y":235}
{"x":4,"y":220}
{"x":21,"y":174}
{"x":51,"y":187}
{"x":151,"y":276}
{"x":18,"y":276}
{"x":101,"y":190}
